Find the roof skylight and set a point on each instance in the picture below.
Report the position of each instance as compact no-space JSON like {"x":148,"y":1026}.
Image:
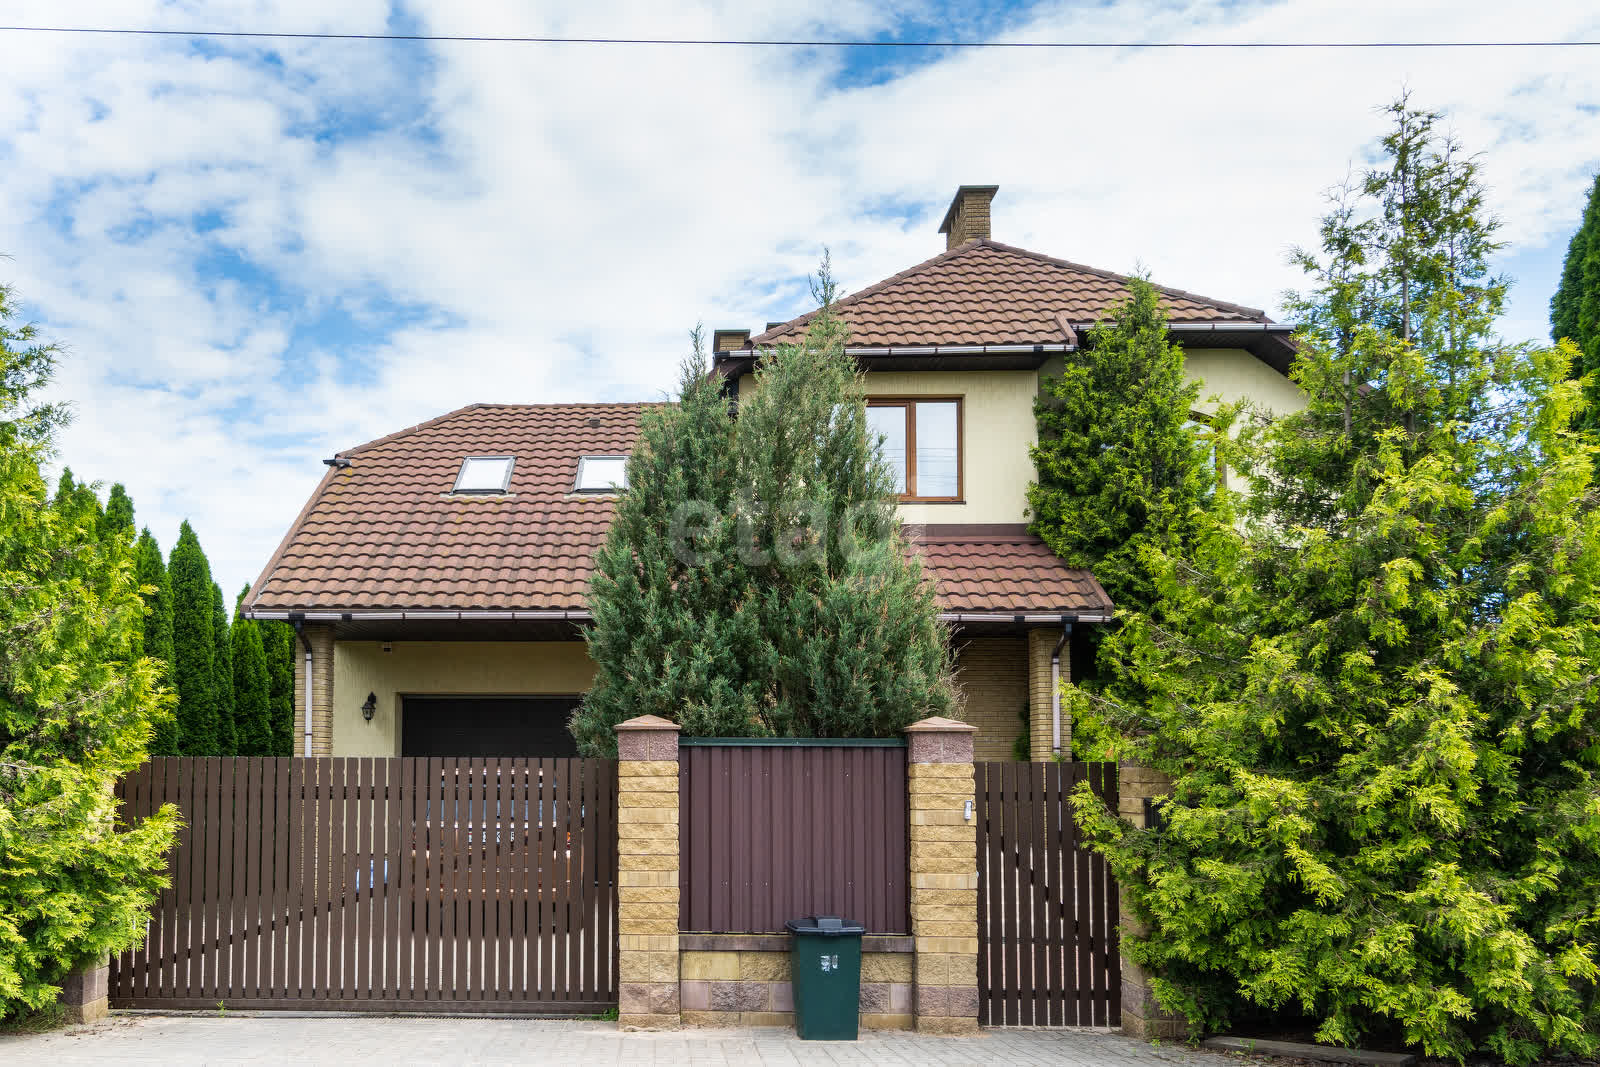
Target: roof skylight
{"x":485,"y":474}
{"x":602,"y":474}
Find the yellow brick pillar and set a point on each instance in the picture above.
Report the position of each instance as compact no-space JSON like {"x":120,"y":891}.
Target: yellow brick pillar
{"x":1141,"y":1016}
{"x":944,"y":875}
{"x":647,"y":874}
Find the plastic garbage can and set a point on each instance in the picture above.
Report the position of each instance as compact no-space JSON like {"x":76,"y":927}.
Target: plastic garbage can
{"x":825,"y":966}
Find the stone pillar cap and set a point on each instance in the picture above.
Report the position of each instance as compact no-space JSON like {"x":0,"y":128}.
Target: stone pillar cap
{"x":648,"y":722}
{"x":940,"y":723}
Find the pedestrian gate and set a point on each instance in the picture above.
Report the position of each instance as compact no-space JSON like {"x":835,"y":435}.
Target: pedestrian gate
{"x":415,"y":884}
{"x":1047,"y":905}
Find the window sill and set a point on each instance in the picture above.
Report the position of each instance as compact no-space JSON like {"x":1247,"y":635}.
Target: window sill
{"x":932,"y":500}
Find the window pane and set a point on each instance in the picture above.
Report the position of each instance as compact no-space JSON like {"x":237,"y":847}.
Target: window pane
{"x":938,"y":449}
{"x":599,"y":473}
{"x":483,"y":475}
{"x":891,"y":423}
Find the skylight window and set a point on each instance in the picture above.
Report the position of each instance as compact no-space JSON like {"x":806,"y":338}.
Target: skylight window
{"x":485,"y":474}
{"x":602,"y":474}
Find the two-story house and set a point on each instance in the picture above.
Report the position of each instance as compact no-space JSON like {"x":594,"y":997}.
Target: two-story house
{"x":438,"y":576}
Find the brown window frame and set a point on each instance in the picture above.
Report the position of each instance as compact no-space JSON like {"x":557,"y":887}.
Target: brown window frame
{"x":905,"y":404}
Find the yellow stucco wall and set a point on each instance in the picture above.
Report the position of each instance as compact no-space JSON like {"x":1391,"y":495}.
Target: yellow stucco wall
{"x":442,"y":668}
{"x":1232,"y":374}
{"x":997,"y":429}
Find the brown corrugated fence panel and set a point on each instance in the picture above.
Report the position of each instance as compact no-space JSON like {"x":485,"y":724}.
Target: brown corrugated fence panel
{"x":381,"y":884}
{"x":776,"y":832}
{"x":1047,"y":908}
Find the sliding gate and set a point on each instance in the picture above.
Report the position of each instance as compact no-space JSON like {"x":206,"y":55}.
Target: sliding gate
{"x":1047,"y":905}
{"x":415,"y":884}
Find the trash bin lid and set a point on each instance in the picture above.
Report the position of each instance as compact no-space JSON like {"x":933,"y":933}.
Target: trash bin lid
{"x":825,"y":926}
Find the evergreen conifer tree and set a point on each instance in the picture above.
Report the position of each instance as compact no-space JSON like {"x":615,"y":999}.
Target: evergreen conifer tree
{"x":1374,"y":689}
{"x":222,"y":679}
{"x":753,"y":582}
{"x":150,"y":571}
{"x":1122,"y":464}
{"x":118,"y":515}
{"x":76,"y":706}
{"x":194,"y":646}
{"x":1575,"y":308}
{"x":252,"y":684}
{"x":278,"y":641}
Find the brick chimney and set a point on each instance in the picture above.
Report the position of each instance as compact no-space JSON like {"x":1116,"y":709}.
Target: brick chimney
{"x":729,"y":340}
{"x":968,"y":217}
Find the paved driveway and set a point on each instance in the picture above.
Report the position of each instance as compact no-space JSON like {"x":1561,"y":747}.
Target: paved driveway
{"x":348,"y":1041}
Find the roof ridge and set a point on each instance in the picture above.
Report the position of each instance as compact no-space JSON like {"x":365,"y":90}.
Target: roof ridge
{"x":437,"y":419}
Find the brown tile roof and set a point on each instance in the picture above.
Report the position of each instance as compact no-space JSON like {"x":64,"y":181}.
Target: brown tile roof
{"x":1003,"y":568}
{"x":383,"y":534}
{"x":988,"y":293}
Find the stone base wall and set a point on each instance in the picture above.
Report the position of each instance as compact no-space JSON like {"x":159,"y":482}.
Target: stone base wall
{"x":752,"y":988}
{"x":1141,"y":1015}
{"x":84,"y":994}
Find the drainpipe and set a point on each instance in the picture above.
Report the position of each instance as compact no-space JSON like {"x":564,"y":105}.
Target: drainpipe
{"x":1055,"y":688}
{"x":299,"y":628}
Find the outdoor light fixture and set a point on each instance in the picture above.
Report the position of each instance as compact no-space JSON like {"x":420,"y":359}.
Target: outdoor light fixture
{"x":370,"y":706}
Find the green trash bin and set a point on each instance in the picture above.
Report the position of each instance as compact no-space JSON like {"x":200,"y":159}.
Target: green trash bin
{"x":825,"y":964}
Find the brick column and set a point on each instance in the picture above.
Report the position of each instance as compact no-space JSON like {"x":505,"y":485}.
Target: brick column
{"x":321,"y":638}
{"x":944,"y":876}
{"x":84,"y":993}
{"x":647,"y":875}
{"x":1141,"y":1016}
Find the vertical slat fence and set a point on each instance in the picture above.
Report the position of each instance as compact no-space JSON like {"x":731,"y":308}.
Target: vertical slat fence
{"x":1047,"y":904}
{"x":379,"y":884}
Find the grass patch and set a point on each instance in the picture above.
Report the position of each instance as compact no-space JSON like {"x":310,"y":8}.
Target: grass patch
{"x":53,"y":1017}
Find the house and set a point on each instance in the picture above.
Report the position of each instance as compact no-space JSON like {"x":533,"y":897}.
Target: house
{"x":437,"y":577}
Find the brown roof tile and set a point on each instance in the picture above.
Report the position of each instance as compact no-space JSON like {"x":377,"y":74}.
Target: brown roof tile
{"x":1003,"y":569}
{"x":384,"y":534}
{"x":987,"y":293}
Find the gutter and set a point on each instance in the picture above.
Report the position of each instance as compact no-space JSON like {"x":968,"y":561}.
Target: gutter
{"x":585,"y":616}
{"x":416,"y":616}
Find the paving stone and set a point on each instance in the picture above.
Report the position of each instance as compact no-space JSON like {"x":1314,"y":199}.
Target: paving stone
{"x":342,"y":1040}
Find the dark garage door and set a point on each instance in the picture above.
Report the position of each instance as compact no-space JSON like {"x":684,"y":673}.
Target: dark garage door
{"x":487,"y":726}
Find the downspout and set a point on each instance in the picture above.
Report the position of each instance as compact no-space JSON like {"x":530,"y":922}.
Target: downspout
{"x":1055,"y":688}
{"x":299,"y":628}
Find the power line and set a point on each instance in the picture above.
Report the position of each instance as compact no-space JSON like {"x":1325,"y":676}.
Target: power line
{"x":707,"y":42}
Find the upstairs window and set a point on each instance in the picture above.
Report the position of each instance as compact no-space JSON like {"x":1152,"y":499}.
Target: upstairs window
{"x":922,"y":443}
{"x":602,"y":474}
{"x":485,"y":475}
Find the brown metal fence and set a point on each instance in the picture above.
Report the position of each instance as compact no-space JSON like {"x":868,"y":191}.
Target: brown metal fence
{"x":774,"y":831}
{"x":382,"y":884}
{"x":1047,"y":905}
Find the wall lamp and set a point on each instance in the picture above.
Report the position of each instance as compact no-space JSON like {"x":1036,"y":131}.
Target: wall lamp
{"x":370,"y":706}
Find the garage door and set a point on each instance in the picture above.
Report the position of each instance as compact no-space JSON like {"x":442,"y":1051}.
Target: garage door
{"x":486,"y":726}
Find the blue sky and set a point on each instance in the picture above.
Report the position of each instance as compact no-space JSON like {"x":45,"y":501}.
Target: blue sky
{"x":258,"y":254}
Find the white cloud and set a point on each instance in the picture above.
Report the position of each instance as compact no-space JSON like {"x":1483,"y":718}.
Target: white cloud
{"x":554,"y":219}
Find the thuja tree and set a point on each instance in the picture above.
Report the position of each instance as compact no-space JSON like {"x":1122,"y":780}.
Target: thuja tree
{"x":252,"y":685}
{"x":1374,"y":688}
{"x":150,"y":571}
{"x":1575,"y":308}
{"x":1122,"y":465}
{"x":754,"y":581}
{"x":194,"y":646}
{"x":77,"y":701}
{"x":222,"y":676}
